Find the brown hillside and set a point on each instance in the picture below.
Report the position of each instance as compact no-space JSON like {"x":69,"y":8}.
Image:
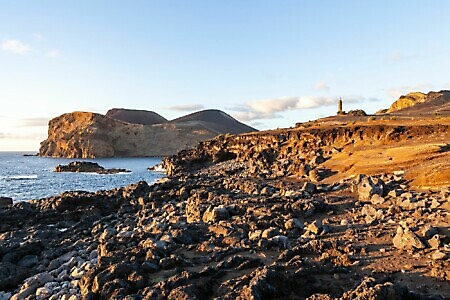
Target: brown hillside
{"x":134,"y":116}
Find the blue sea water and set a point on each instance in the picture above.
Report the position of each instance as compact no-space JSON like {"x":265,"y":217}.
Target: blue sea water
{"x":31,"y":177}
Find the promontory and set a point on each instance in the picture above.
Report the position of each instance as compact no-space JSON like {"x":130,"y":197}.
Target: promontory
{"x":133,"y":133}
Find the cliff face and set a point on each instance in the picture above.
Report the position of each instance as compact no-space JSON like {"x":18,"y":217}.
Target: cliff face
{"x":87,"y":135}
{"x":417,"y":102}
{"x":408,"y":100}
{"x":324,"y":152}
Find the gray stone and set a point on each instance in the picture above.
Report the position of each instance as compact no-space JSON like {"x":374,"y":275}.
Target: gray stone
{"x":309,"y":187}
{"x":5,"y":201}
{"x":376,"y":199}
{"x":5,"y":296}
{"x":57,"y":262}
{"x":429,"y":231}
{"x":270,"y":232}
{"x":93,"y":254}
{"x":316,"y":160}
{"x":254,"y":235}
{"x":395,"y":193}
{"x":215,"y":214}
{"x":28,"y":261}
{"x":438,"y":255}
{"x":43,"y":293}
{"x":314,"y":176}
{"x":281,"y":241}
{"x":31,"y":284}
{"x":315,"y":227}
{"x":370,"y":213}
{"x":405,"y":239}
{"x":267,"y":190}
{"x":293,"y":223}
{"x":434,"y":242}
{"x":370,"y":186}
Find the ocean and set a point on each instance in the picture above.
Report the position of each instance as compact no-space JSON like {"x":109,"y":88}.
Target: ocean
{"x":32,"y":177}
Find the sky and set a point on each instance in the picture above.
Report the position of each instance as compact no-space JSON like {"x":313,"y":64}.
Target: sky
{"x":269,"y":64}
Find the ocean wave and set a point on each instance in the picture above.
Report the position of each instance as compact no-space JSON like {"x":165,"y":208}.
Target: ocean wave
{"x":103,"y":174}
{"x":158,"y":168}
{"x":22,"y":177}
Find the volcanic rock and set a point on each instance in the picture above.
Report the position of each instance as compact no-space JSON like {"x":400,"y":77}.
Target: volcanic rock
{"x":405,"y":239}
{"x":87,"y":167}
{"x":420,"y":103}
{"x":370,"y":186}
{"x":5,"y":201}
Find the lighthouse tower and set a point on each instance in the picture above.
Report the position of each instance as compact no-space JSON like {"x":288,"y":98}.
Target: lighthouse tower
{"x":340,"y":111}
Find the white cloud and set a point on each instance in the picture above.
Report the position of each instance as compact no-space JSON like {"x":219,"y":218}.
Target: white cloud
{"x":53,"y":53}
{"x":186,"y":107}
{"x":270,"y":108}
{"x":15,"y":46}
{"x":272,"y":105}
{"x":321,"y":86}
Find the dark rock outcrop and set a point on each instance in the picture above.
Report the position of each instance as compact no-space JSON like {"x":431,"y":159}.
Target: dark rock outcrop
{"x":87,"y":167}
{"x":5,"y":201}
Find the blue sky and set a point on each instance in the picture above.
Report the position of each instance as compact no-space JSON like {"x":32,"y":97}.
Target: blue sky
{"x":268,"y":63}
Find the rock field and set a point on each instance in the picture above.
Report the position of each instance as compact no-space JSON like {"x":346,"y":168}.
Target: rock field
{"x":241,"y":217}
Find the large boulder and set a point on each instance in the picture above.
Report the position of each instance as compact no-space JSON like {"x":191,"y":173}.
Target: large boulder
{"x":5,"y":201}
{"x":369,"y":186}
{"x":405,"y":239}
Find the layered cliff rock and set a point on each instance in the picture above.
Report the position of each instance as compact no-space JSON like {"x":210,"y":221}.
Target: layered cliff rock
{"x":331,"y":152}
{"x":417,"y":102}
{"x":86,"y":134}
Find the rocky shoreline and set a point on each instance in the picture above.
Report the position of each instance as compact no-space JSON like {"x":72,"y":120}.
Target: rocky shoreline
{"x":232,"y":222}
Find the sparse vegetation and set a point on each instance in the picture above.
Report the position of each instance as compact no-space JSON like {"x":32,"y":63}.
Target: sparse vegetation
{"x":371,"y":118}
{"x":357,"y":112}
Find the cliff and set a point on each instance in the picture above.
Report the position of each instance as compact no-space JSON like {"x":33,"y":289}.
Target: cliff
{"x":331,"y":152}
{"x":87,"y":135}
{"x":417,"y":102}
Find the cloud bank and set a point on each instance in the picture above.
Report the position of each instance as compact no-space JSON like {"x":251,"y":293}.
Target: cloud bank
{"x":15,"y":47}
{"x":270,"y":108}
{"x":186,"y":107}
